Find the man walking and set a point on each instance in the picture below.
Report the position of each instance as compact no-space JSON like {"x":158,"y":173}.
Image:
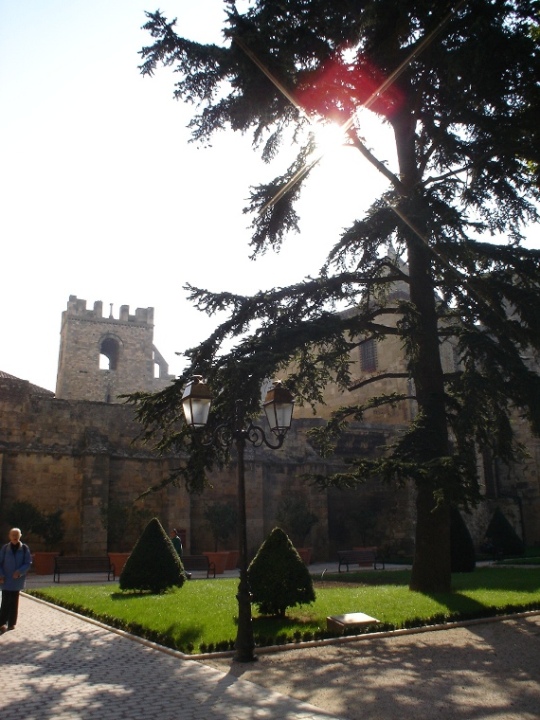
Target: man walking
{"x":177,"y":542}
{"x":15,"y":561}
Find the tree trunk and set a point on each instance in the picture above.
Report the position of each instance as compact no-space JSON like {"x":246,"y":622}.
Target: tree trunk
{"x":431,"y":567}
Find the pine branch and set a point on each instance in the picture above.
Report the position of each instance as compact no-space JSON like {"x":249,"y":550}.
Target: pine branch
{"x":376,"y":378}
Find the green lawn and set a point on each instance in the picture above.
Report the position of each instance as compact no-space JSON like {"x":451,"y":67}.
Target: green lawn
{"x":201,"y":615}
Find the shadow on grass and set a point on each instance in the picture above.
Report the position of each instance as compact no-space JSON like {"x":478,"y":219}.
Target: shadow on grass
{"x":186,"y":637}
{"x":498,"y":578}
{"x":522,"y":579}
{"x":367,"y":577}
{"x":460,"y":606}
{"x":270,"y":630}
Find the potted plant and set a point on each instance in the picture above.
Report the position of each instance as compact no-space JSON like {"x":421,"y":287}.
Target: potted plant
{"x":48,"y":527}
{"x":122,"y":522}
{"x":222,"y":518}
{"x":296,"y":519}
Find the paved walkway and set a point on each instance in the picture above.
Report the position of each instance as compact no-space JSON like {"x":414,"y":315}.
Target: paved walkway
{"x":317,"y":570}
{"x":484,"y":671}
{"x":56,"y":665}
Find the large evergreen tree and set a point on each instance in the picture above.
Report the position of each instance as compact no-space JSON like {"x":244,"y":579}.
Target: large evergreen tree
{"x":457,"y":82}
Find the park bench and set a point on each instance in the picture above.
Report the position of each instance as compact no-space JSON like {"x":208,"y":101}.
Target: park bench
{"x":82,"y":564}
{"x":359,"y":556}
{"x":193,"y":563}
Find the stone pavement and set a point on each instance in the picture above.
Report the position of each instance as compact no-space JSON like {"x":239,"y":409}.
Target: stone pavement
{"x":486,"y":670}
{"x":317,"y":570}
{"x":58,"y":666}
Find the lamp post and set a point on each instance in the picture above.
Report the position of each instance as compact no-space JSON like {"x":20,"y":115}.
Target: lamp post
{"x":278,"y":407}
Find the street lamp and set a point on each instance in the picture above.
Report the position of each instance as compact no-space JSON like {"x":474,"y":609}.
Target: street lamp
{"x":278,"y":406}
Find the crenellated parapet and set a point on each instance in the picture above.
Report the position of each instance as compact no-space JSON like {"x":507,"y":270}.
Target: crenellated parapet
{"x":103,"y":357}
{"x":76,"y":307}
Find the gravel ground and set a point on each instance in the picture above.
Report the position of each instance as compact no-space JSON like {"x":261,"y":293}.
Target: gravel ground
{"x":484,"y":671}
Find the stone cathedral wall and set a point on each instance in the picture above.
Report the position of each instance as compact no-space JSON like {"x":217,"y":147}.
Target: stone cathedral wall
{"x":77,"y":452}
{"x":79,"y":456}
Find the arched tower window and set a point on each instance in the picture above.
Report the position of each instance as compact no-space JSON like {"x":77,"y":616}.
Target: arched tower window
{"x":109,"y":351}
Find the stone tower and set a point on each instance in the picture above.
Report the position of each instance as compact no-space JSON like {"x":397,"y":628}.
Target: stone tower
{"x":104,"y":357}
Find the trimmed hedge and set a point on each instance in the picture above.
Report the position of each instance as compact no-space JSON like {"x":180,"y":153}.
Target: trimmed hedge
{"x":154,"y":564}
{"x":278,"y":577}
{"x":502,"y":536}
{"x":462,"y":555}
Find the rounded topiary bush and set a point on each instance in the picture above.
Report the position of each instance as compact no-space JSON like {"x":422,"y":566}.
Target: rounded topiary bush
{"x":278,"y":577}
{"x":462,"y":555}
{"x":502,"y":537}
{"x":154,"y":564}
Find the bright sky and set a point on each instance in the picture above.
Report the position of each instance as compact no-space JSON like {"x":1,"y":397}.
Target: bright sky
{"x":102,"y":197}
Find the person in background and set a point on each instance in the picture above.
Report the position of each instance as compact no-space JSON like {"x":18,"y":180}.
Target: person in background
{"x":15,"y":561}
{"x":177,"y":542}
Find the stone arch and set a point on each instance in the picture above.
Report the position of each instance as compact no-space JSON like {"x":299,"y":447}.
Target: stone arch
{"x":109,"y":352}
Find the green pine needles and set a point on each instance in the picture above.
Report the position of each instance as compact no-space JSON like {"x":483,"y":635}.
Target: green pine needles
{"x":278,"y":578}
{"x":436,"y":259}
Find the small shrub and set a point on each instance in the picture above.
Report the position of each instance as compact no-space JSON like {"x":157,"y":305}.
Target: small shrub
{"x":154,"y":564}
{"x":278,"y":577}
{"x":462,"y":553}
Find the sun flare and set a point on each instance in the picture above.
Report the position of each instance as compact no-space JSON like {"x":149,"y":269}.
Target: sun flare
{"x":329,"y":138}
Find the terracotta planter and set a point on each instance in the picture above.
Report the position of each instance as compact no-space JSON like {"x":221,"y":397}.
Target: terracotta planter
{"x":219,"y":559}
{"x":118,"y":559}
{"x":232,"y":560}
{"x":305,"y":554}
{"x":43,"y":562}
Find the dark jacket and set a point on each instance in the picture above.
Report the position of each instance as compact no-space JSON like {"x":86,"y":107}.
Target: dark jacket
{"x":11,"y":561}
{"x":177,"y":545}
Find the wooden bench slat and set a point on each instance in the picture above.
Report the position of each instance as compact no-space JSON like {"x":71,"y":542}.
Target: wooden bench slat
{"x":360,"y":556}
{"x":82,"y":564}
{"x":193,"y":563}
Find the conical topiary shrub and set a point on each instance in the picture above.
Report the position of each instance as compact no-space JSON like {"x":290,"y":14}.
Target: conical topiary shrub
{"x":463,"y":558}
{"x":502,"y":537}
{"x":154,"y":564}
{"x":278,"y":578}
